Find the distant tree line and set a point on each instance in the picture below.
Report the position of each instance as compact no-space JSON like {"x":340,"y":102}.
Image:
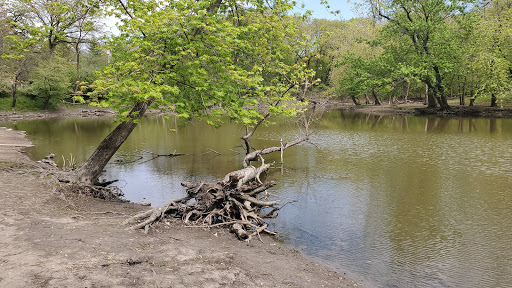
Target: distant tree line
{"x":433,"y":49}
{"x":430,"y":49}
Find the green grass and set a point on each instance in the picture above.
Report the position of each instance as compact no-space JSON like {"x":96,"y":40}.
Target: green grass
{"x":482,"y":102}
{"x":23,"y":103}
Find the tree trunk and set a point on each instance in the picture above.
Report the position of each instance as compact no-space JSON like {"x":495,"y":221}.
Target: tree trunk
{"x":472,"y":99}
{"x":407,"y":91}
{"x":14,"y":89}
{"x":431,"y":99}
{"x":462,"y":99}
{"x":377,"y":101}
{"x":354,"y":99}
{"x":90,"y":171}
{"x":426,"y":94}
{"x":439,"y":91}
{"x":493,"y":100}
{"x":78,"y":78}
{"x":443,"y":102}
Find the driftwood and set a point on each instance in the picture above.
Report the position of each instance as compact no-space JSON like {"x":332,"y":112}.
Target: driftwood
{"x":232,"y":202}
{"x":253,"y":156}
{"x":246,"y":174}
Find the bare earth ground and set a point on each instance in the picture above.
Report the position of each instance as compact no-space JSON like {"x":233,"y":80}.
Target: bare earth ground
{"x":56,"y":239}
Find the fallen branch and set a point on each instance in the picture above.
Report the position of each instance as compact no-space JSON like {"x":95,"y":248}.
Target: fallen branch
{"x":170,"y":155}
{"x":231,"y":202}
{"x":253,"y":156}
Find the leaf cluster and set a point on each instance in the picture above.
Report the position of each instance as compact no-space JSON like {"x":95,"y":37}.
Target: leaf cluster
{"x":204,"y":58}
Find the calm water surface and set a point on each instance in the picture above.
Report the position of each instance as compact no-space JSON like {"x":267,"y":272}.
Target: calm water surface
{"x":395,"y":201}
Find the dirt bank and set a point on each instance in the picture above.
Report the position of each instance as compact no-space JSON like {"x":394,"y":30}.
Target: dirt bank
{"x":56,"y":239}
{"x":417,"y":109}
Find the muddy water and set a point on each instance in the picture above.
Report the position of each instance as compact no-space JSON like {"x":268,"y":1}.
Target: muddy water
{"x":395,"y":201}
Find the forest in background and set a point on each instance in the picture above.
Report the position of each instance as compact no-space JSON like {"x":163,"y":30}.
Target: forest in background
{"x":446,"y":52}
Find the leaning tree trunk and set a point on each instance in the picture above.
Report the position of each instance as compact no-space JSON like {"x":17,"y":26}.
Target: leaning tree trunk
{"x":377,"y":100}
{"x":354,"y":99}
{"x":90,"y":171}
{"x":367,"y":99}
{"x":472,"y":99}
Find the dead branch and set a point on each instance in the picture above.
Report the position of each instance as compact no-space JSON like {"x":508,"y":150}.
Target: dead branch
{"x":231,"y":202}
{"x":211,"y":150}
{"x":246,"y":174}
{"x":253,"y":156}
{"x":170,"y":155}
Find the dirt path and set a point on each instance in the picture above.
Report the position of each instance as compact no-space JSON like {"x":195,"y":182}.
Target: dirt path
{"x":56,"y":239}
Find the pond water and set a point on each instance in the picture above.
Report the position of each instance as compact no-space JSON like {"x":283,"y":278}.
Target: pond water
{"x":395,"y":201}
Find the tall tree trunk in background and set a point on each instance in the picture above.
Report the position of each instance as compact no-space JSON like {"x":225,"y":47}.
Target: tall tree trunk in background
{"x":407,"y":91}
{"x":367,"y":98}
{"x":78,"y":78}
{"x":462,"y":98}
{"x":472,"y":99}
{"x":14,"y":89}
{"x":90,"y":171}
{"x":431,"y":96}
{"x":426,"y":94}
{"x":493,"y":100}
{"x":439,"y":90}
{"x":377,"y":101}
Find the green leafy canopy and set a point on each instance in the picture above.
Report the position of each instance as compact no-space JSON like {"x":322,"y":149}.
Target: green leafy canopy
{"x":204,"y":58}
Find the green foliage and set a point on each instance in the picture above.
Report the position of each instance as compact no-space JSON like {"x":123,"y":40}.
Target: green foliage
{"x":36,"y":30}
{"x":352,"y":44}
{"x":197,"y":58}
{"x":489,"y":65}
{"x":51,"y":82}
{"x":421,"y":40}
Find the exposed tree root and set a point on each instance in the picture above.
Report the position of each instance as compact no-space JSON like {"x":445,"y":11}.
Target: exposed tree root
{"x":232,"y":203}
{"x":105,"y":193}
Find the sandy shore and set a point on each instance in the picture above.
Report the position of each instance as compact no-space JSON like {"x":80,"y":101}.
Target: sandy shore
{"x":52,"y":238}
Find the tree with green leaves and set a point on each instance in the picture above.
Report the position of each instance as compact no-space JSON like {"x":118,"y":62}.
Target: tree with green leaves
{"x":16,"y":61}
{"x":489,"y":61}
{"x":207,"y":58}
{"x":16,"y":50}
{"x":50,"y":81}
{"x":417,"y":30}
{"x":57,"y":22}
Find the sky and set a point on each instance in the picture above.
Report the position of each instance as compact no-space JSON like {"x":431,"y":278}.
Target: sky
{"x":320,"y":11}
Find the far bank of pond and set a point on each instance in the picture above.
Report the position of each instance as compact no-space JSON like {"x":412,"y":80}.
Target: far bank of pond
{"x":399,"y":200}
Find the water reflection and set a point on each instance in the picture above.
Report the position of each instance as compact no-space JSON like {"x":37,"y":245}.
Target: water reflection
{"x":400,"y":201}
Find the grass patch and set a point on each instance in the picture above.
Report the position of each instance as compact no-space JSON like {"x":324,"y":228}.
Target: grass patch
{"x":482,"y":102}
{"x":23,"y":103}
